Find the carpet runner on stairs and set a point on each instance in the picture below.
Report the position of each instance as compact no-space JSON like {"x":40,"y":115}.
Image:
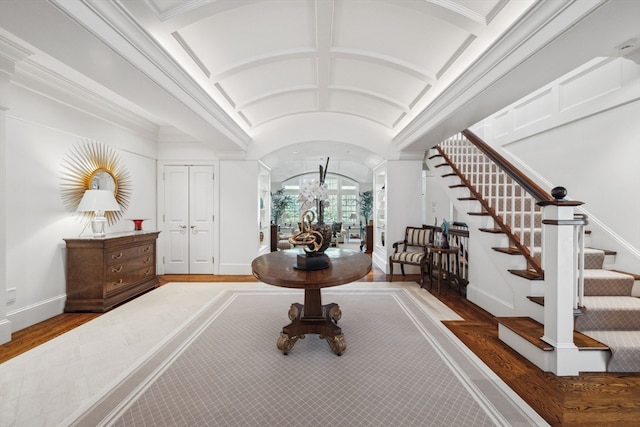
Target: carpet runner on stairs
{"x":610,"y":314}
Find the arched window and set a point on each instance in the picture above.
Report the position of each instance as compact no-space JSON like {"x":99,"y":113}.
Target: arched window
{"x":343,"y":193}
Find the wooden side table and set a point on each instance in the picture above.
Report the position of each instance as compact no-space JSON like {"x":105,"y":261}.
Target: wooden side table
{"x":312,"y":317}
{"x":439,"y":251}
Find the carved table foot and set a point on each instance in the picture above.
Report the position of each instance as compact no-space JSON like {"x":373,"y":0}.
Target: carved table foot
{"x":285,"y":342}
{"x":334,"y":312}
{"x":337,"y":343}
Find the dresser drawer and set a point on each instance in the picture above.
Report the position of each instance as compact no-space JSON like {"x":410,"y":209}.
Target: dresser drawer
{"x":126,"y":276}
{"x":124,"y":254}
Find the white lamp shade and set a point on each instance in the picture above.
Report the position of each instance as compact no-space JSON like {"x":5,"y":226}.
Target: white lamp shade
{"x":98,"y":200}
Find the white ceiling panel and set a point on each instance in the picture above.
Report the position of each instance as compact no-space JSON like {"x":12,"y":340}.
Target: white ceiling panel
{"x":395,"y":84}
{"x":252,"y":32}
{"x":398,"y":34}
{"x":480,"y":11}
{"x":269,"y":79}
{"x":364,"y":106}
{"x":280,"y":106}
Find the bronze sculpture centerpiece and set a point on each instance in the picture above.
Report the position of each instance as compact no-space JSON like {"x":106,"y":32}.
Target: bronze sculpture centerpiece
{"x":314,"y":237}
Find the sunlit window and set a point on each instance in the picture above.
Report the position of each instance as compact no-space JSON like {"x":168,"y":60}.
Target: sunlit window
{"x":343,"y":193}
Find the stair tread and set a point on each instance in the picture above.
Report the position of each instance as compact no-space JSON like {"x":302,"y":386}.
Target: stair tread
{"x":634,"y":275}
{"x":495,"y":230}
{"x":507,"y":250}
{"x":533,"y":331}
{"x":537,"y":300}
{"x":610,"y":313}
{"x":606,"y":251}
{"x":603,"y":302}
{"x":527,"y":274}
{"x":607,"y":283}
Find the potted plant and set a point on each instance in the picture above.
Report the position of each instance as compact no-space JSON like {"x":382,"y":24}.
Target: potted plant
{"x":365,"y":203}
{"x":279,"y":204}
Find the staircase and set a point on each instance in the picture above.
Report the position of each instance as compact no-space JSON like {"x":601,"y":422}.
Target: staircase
{"x":606,"y":307}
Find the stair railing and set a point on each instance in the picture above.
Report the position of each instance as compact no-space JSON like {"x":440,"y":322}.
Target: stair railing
{"x":505,"y":193}
{"x":581,"y":221}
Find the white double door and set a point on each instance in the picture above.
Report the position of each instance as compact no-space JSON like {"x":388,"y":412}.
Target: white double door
{"x":188,"y":219}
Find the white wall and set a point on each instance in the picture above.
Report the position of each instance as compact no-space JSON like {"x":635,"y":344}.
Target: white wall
{"x":403,"y":203}
{"x":239,"y":206}
{"x":40,"y":132}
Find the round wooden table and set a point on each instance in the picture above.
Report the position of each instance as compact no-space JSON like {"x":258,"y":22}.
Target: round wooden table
{"x":277,"y":269}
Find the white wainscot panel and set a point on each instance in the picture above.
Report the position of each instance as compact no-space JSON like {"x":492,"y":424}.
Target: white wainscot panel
{"x":533,"y":110}
{"x":591,"y":84}
{"x":502,"y":124}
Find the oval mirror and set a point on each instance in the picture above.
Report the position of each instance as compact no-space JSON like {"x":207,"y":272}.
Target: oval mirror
{"x":101,"y":179}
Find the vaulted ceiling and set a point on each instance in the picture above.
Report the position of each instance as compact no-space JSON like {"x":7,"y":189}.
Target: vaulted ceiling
{"x":290,"y":81}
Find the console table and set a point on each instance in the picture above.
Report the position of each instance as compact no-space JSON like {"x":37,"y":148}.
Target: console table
{"x":277,"y":269}
{"x":104,"y":272}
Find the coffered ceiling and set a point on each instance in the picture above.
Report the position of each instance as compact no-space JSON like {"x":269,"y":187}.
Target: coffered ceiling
{"x":288,"y":81}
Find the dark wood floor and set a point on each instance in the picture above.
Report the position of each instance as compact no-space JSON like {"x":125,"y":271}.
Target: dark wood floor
{"x":587,"y":400}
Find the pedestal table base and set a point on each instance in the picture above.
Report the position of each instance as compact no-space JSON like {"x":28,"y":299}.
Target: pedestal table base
{"x":308,"y":319}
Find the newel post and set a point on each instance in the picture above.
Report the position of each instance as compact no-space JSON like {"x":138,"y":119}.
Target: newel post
{"x":559,"y":275}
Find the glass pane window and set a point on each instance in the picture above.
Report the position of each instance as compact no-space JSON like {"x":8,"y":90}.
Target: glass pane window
{"x":349,"y":208}
{"x":343,"y":193}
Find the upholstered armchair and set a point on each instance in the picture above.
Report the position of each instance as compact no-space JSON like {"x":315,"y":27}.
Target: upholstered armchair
{"x":413,"y":250}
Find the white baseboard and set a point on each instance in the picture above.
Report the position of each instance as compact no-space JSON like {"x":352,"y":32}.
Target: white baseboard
{"x":489,"y":302}
{"x":35,"y":313}
{"x":235,"y":269}
{"x":5,"y":331}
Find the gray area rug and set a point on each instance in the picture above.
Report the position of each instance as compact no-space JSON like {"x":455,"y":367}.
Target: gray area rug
{"x":400,"y":368}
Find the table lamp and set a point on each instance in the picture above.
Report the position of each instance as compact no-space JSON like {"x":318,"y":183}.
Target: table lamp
{"x":98,"y":201}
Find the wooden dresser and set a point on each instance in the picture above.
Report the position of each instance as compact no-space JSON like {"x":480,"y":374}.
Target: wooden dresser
{"x":104,"y":272}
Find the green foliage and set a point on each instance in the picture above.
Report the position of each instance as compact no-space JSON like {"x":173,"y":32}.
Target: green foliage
{"x":279,"y":203}
{"x":365,"y":202}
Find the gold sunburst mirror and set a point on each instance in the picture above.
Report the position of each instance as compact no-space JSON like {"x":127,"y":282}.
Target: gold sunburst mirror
{"x":92,"y":165}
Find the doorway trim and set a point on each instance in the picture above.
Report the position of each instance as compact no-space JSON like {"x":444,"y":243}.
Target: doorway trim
{"x":160,"y":250}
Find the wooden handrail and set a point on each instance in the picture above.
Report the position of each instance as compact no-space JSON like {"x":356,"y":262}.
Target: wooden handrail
{"x":525,"y":182}
{"x":514,"y":173}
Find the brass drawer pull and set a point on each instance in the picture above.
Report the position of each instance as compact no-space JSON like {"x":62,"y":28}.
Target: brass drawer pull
{"x":147,"y":249}
{"x":118,"y":256}
{"x":116,"y":270}
{"x":119,"y":282}
{"x":148,"y":271}
{"x":147,"y":260}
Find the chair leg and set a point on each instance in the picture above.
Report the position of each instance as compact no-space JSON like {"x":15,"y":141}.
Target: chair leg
{"x":390,"y":270}
{"x":402,"y":268}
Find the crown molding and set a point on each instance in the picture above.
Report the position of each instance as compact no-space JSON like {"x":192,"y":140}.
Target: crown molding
{"x":10,"y":54}
{"x":39,"y":79}
{"x":110,"y":23}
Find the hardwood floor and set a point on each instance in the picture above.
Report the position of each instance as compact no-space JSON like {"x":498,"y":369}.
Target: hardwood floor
{"x":591,"y":399}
